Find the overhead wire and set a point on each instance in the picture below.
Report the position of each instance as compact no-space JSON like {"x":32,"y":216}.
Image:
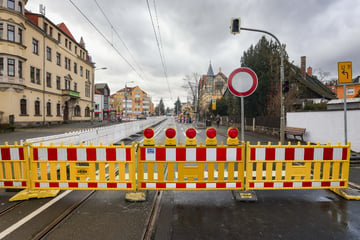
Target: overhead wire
{"x":107,"y":40}
{"x":118,"y":35}
{"x":158,"y":45}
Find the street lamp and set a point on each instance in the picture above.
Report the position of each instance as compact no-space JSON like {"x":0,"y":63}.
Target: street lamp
{"x":126,"y":95}
{"x":93,"y":93}
{"x":235,"y":28}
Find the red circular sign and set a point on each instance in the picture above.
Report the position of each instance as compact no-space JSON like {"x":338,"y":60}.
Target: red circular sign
{"x":242,"y":82}
{"x":170,"y":132}
{"x":191,"y":132}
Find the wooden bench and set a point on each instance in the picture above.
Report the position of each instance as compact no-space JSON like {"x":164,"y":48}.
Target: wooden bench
{"x":295,"y":132}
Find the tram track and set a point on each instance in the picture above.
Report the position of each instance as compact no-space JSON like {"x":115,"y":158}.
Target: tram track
{"x":57,"y":221}
{"x":11,"y":208}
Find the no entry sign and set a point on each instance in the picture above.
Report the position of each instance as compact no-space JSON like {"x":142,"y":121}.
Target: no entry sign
{"x":242,"y":82}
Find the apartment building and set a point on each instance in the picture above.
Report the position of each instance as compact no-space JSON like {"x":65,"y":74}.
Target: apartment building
{"x":132,"y":102}
{"x":46,"y":76}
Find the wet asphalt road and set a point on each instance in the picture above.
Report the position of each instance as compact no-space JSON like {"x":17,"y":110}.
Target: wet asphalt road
{"x":288,"y":214}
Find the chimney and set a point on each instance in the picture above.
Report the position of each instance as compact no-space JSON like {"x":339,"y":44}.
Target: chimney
{"x":309,"y":71}
{"x":303,"y":66}
{"x":219,"y":69}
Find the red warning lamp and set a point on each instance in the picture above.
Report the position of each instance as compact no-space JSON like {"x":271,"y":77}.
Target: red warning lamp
{"x":211,"y":132}
{"x":170,"y":133}
{"x":148,"y":133}
{"x":191,"y":133}
{"x":233,"y":132}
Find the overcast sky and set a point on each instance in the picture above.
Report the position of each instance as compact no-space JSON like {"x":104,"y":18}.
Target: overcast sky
{"x":195,"y":32}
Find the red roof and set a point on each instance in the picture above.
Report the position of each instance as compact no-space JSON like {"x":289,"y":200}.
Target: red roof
{"x":64,"y":28}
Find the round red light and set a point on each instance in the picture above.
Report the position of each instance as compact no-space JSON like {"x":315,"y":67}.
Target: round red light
{"x":148,"y":133}
{"x":170,"y":132}
{"x":211,"y":132}
{"x":233,"y":132}
{"x":191,"y":132}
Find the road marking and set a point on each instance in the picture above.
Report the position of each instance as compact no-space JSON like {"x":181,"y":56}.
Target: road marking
{"x":32,"y":215}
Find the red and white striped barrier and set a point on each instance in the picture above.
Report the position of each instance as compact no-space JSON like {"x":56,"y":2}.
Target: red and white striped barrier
{"x":82,"y":154}
{"x":191,"y":154}
{"x":82,"y":185}
{"x":189,"y":186}
{"x":274,"y":154}
{"x":12,"y":167}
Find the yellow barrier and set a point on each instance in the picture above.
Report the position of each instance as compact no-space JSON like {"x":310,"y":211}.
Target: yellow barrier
{"x":191,"y":168}
{"x":13,"y":166}
{"x":83,"y":167}
{"x":297,"y":166}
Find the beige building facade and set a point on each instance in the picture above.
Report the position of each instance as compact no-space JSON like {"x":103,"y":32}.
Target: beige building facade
{"x":132,"y":102}
{"x":46,"y":76}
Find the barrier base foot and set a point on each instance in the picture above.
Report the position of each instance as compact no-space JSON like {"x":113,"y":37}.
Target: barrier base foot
{"x":27,"y":194}
{"x":135,"y":196}
{"x":349,"y":193}
{"x":245,"y":196}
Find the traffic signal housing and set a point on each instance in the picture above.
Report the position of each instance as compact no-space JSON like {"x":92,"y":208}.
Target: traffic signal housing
{"x":235,"y":25}
{"x":286,"y":86}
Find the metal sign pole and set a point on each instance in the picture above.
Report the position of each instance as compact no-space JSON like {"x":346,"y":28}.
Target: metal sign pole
{"x":242,"y":119}
{"x":345,"y":115}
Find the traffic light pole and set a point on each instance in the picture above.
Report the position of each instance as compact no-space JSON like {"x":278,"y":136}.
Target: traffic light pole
{"x":282,"y":100}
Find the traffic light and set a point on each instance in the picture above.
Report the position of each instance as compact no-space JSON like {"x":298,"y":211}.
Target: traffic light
{"x":286,"y":86}
{"x":235,"y":25}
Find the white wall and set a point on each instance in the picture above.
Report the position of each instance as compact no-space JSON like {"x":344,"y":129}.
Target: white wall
{"x":328,"y":126}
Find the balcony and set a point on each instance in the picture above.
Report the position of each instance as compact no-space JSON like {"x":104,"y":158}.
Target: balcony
{"x":70,"y":94}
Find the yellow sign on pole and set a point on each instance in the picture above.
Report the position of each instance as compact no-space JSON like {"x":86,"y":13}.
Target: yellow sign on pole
{"x":213,"y":105}
{"x":345,"y":72}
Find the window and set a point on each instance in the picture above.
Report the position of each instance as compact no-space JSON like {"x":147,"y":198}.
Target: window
{"x":58,"y":59}
{"x":20,"y":7}
{"x":59,"y":37}
{"x":51,"y":31}
{"x":75,"y":67}
{"x":20,"y":69}
{"x":1,"y":66}
{"x":23,"y":107}
{"x":77,"y":111}
{"x":88,"y":75}
{"x":35,"y":46}
{"x":81,"y":71}
{"x":32,"y":74}
{"x":11,"y":4}
{"x":66,"y":42}
{"x":75,"y":86}
{"x":69,"y":45}
{"x":11,"y":67}
{"x":11,"y":33}
{"x":58,"y":83}
{"x":37,"y":108}
{"x":75,"y":49}
{"x":87,"y":112}
{"x":87,"y":89}
{"x":20,"y":34}
{"x":350,"y":91}
{"x":45,"y":27}
{"x":37,"y":76}
{"x":48,"y":53}
{"x":48,"y":109}
{"x":58,"y":110}
{"x":1,"y":30}
{"x":48,"y":80}
{"x":67,"y":84}
{"x":67,"y":63}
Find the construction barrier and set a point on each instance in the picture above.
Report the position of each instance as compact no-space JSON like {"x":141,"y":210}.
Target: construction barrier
{"x":45,"y":170}
{"x":191,"y":168}
{"x":83,"y":167}
{"x":13,"y":166}
{"x":297,"y":166}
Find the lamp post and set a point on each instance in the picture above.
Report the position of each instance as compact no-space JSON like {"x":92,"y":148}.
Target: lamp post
{"x":93,"y":93}
{"x":235,"y":28}
{"x":126,"y":95}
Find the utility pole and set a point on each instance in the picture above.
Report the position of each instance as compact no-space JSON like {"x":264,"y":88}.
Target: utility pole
{"x":93,"y":93}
